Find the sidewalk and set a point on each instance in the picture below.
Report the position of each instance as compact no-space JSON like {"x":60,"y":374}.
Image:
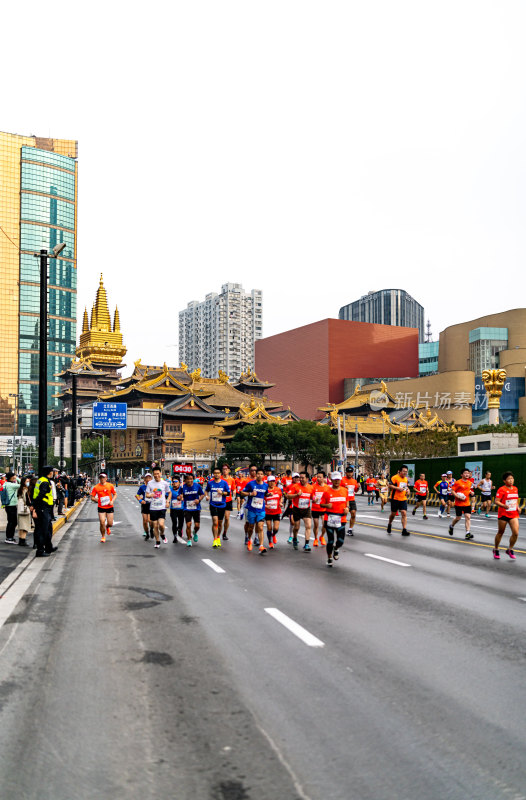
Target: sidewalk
{"x":11,"y":555}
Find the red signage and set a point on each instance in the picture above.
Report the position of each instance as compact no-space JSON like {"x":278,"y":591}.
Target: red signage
{"x":179,"y":468}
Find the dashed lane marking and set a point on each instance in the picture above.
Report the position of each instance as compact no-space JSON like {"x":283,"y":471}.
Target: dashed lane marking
{"x":295,"y":628}
{"x":210,"y":563}
{"x":390,"y":560}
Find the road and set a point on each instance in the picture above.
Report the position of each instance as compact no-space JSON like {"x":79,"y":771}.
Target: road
{"x":134,"y":673}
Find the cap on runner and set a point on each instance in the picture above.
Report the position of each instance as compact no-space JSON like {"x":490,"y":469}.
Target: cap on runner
{"x":449,"y":472}
{"x":103,"y":474}
{"x":336,"y":476}
{"x":444,"y":474}
{"x":295,"y":474}
{"x":271,"y":478}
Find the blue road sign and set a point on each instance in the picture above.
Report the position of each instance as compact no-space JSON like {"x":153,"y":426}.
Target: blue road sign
{"x":88,"y":455}
{"x":110,"y":416}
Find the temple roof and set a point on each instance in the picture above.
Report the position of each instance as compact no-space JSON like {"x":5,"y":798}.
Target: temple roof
{"x":363,"y":399}
{"x":192,"y":406}
{"x":83,"y":366}
{"x":250,"y":413}
{"x":251,"y":380}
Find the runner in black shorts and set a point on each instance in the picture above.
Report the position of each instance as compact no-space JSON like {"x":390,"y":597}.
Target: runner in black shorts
{"x":145,"y":507}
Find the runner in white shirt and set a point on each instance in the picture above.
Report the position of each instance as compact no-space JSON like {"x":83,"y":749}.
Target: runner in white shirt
{"x":159,"y":493}
{"x":486,"y":487}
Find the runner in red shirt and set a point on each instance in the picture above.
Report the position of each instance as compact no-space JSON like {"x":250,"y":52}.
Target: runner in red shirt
{"x":335,"y":501}
{"x":290,"y":479}
{"x":320,"y":487}
{"x":353,"y":487}
{"x":301,"y":496}
{"x":507,"y":500}
{"x":421,"y":492}
{"x":103,"y":493}
{"x":370,"y":485}
{"x":227,"y":477}
{"x":273,"y":508}
{"x":462,"y":491}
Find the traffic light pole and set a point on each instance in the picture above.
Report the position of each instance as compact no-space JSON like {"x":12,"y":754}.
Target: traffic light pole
{"x":42,"y":377}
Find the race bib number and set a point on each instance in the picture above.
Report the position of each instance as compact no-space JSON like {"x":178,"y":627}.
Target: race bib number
{"x":317,"y":497}
{"x":402,"y":486}
{"x":176,"y":503}
{"x":191,"y":503}
{"x":511,"y":504}
{"x":303,"y":502}
{"x":334,"y":521}
{"x":350,"y":491}
{"x":217,"y":497}
{"x":157,"y":494}
{"x":104,"y":501}
{"x":257,"y":503}
{"x":272,"y":505}
{"x":461,"y":496}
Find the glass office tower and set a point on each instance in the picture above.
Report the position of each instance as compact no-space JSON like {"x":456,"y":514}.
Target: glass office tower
{"x":38,"y":209}
{"x":386,"y":307}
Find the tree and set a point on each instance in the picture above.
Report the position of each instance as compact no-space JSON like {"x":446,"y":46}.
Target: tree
{"x":255,"y":442}
{"x":304,"y":441}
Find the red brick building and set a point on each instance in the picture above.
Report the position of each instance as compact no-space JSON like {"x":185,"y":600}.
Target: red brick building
{"x":310,"y":364}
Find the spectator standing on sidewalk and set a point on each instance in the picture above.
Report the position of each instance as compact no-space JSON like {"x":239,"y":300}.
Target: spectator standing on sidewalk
{"x":9,"y":501}
{"x":42,"y":504}
{"x":23,"y":511}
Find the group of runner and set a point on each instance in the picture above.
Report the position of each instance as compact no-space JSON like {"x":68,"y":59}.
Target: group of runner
{"x":324,"y":504}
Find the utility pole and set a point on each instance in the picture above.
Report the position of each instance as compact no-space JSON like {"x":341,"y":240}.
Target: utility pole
{"x":344,"y":437}
{"x":21,"y":452}
{"x":74,"y":457}
{"x":356,"y":463}
{"x":62,"y":433}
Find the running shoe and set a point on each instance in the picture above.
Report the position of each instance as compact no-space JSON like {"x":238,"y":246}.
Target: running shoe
{"x":165,"y":540}
{"x":175,"y":540}
{"x":156,"y":545}
{"x":469,"y":536}
{"x":405,"y":532}
{"x":146,"y":536}
{"x":439,"y":515}
{"x":274,"y":539}
{"x":478,"y":512}
{"x":262,"y":549}
{"x":249,"y":545}
{"x":189,"y":543}
{"x":307,"y":547}
{"x":218,"y":540}
{"x":242,"y":514}
{"x":214,"y":543}
{"x":329,"y":562}
{"x":295,"y":544}
{"x":289,"y":540}
{"x":315,"y":543}
{"x":108,"y":531}
{"x":510,"y":553}
{"x":103,"y":538}
{"x":450,"y":530}
{"x":425,"y":516}
{"x":336,"y":554}
{"x":448,"y":515}
{"x":196,"y":537}
{"x":389,"y":528}
{"x":271,"y":545}
{"x":323,"y":541}
{"x":225,"y":537}
{"x":486,"y":515}
{"x":350,"y":532}
{"x":496,"y":554}
{"x":413,"y":512}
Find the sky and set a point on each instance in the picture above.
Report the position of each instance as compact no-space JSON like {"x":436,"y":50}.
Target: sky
{"x":316,"y":151}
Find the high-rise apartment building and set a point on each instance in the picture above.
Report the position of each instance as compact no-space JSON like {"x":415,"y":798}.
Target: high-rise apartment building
{"x":38,"y":209}
{"x":219,"y":333}
{"x":386,"y":307}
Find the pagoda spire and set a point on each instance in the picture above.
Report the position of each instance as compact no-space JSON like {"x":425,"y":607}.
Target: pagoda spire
{"x":116,"y":321}
{"x":101,"y":308}
{"x":93,"y":323}
{"x":85,"y":323}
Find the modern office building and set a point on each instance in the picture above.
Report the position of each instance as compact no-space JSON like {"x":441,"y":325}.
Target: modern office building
{"x":386,"y":307}
{"x":219,"y":333}
{"x":327,"y":355}
{"x":428,"y":358}
{"x":38,"y":209}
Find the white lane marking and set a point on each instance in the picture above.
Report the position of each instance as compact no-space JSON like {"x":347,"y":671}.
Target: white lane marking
{"x":210,"y":563}
{"x":119,"y":522}
{"x":303,"y":634}
{"x":389,"y":560}
{"x":522,"y":598}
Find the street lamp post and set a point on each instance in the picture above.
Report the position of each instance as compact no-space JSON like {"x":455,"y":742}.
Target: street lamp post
{"x":42,"y":378}
{"x":15,"y":397}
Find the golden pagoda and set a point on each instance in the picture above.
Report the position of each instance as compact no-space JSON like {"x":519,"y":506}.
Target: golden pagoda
{"x":100,"y":340}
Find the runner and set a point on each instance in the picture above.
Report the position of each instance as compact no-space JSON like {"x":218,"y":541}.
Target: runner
{"x":159,"y":493}
{"x":320,"y":487}
{"x":462,"y":492}
{"x":441,"y":487}
{"x":176,"y":509}
{"x":217,"y":490}
{"x":352,"y":486}
{"x":145,"y":507}
{"x":103,"y":493}
{"x":227,"y":477}
{"x":256,"y":491}
{"x":383,"y":486}
{"x":335,"y":501}
{"x":239,"y":481}
{"x":370,"y":485}
{"x":290,"y":480}
{"x":301,"y":495}
{"x":191,"y":492}
{"x":507,"y":500}
{"x":450,"y":495}
{"x":398,"y":487}
{"x":273,"y":508}
{"x":485,"y":486}
{"x":421,"y":493}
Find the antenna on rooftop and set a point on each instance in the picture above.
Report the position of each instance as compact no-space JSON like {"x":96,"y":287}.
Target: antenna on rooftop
{"x":428,"y":334}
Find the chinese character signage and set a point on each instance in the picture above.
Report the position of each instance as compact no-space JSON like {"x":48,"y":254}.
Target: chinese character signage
{"x":110,"y":416}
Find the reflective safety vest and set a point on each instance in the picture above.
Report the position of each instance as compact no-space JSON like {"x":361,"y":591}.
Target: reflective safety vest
{"x":48,"y":497}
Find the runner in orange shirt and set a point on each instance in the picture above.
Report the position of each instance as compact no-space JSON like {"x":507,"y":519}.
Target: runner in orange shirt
{"x":335,"y":502}
{"x":370,"y":485}
{"x":462,"y":491}
{"x":507,"y":500}
{"x":398,"y":488}
{"x":421,"y":492}
{"x":320,"y":487}
{"x":227,"y":477}
{"x":273,"y":508}
{"x":301,"y":496}
{"x":103,"y":493}
{"x":353,"y":487}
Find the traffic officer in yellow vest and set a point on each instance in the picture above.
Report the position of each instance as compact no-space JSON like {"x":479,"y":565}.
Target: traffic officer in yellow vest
{"x":42,"y":509}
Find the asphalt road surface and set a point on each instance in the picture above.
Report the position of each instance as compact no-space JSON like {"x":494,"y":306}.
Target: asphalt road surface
{"x":200,"y":674}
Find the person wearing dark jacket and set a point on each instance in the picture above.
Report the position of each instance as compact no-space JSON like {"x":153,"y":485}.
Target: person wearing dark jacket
{"x":42,"y":510}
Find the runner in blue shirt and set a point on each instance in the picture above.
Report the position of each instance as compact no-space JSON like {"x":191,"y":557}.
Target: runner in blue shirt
{"x":217,"y":490}
{"x":441,"y":487}
{"x":145,"y":506}
{"x":192,"y":493}
{"x":256,"y":491}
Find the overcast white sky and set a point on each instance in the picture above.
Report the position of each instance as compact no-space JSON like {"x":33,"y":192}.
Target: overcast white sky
{"x":313,"y":150}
